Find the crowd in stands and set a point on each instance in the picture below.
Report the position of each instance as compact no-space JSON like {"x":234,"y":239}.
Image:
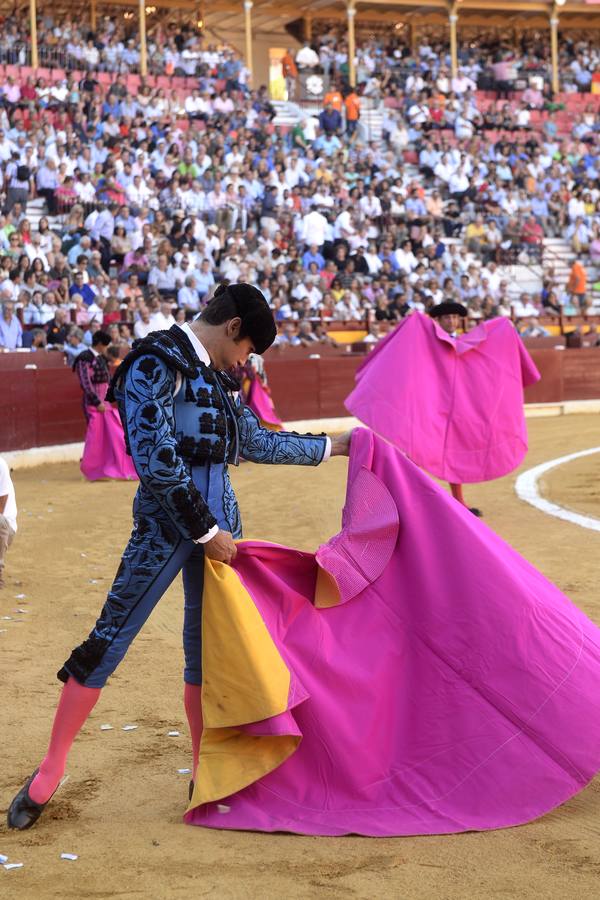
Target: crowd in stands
{"x":67,"y":42}
{"x":154,"y":192}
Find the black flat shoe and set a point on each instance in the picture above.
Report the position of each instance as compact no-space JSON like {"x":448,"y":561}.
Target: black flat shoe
{"x":476,"y":512}
{"x":24,"y":812}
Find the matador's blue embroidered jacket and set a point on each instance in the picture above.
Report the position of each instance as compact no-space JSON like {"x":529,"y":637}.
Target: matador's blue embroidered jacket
{"x":182,"y":438}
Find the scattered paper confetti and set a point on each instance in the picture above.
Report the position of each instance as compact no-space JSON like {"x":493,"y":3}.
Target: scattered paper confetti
{"x":69,"y":856}
{"x":3,"y":630}
{"x":222,"y":808}
{"x":172,"y":734}
{"x":83,"y":555}
{"x":13,"y":865}
{"x":6,"y":618}
{"x":106,"y":727}
{"x":21,"y":610}
{"x":20,"y":596}
{"x":93,"y":581}
{"x":129,"y":727}
{"x":3,"y":858}
{"x":184,"y":771}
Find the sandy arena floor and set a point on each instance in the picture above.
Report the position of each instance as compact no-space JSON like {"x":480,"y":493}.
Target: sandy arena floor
{"x":121,"y":809}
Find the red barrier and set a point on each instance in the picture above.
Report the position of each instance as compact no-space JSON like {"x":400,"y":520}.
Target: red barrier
{"x":38,"y":407}
{"x":42,"y":406}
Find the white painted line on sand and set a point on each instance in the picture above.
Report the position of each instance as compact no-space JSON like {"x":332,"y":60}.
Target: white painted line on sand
{"x":527,"y":489}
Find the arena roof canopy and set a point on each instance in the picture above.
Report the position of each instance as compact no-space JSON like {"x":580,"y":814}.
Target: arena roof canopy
{"x":257,"y":20}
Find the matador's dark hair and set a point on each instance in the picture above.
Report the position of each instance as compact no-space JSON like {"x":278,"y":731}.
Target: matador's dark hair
{"x":101,"y":337}
{"x":246,"y":302}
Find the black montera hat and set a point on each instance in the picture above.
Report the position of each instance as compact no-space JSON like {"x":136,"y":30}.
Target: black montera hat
{"x":448,"y":308}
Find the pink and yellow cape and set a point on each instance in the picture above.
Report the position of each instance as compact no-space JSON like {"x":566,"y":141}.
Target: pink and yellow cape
{"x":414,"y":676}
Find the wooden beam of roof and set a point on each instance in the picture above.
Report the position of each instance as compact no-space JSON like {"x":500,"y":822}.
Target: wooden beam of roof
{"x":187,"y":5}
{"x":533,"y":6}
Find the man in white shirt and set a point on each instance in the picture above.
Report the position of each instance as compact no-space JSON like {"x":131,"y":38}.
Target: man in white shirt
{"x":8,"y":514}
{"x":162,"y":319}
{"x":307,"y":58}
{"x":314,"y":228}
{"x":143,"y":326}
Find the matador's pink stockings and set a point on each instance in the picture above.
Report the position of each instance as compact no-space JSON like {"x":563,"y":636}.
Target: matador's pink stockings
{"x":75,"y":705}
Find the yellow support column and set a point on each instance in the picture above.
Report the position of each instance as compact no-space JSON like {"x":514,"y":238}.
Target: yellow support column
{"x":93,"y":15}
{"x":554,"y":48}
{"x":351,"y":43}
{"x":453,"y":19}
{"x":143,"y":45}
{"x":33,"y":31}
{"x":307,"y":23}
{"x":248,"y":4}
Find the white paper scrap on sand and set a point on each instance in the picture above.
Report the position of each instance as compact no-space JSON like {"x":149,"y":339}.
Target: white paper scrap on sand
{"x":184,"y":771}
{"x":129,"y":727}
{"x":222,"y":808}
{"x":13,"y":865}
{"x":106,"y":727}
{"x":21,"y":610}
{"x":3,"y":858}
{"x":69,"y":856}
{"x":172,"y":734}
{"x":20,"y":596}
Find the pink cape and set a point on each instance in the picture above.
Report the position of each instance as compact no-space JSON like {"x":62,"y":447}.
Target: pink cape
{"x":455,"y":406}
{"x":260,"y":402}
{"x":450,"y":688}
{"x":104,"y":454}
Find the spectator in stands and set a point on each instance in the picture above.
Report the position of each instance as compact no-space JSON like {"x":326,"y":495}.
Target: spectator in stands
{"x":38,"y":339}
{"x":307,"y":59}
{"x":532,"y":236}
{"x":524,"y":307}
{"x":290,"y":73}
{"x":11,"y":331}
{"x":74,"y":344}
{"x":161,"y":317}
{"x":531,"y":328}
{"x":577,"y":285}
{"x":58,"y":328}
{"x":330,"y":120}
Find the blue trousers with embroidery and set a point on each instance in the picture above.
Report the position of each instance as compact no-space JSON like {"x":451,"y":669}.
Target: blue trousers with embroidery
{"x":153,"y":558}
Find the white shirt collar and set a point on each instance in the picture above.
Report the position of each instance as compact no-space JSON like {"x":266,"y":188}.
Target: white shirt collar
{"x":200,"y":349}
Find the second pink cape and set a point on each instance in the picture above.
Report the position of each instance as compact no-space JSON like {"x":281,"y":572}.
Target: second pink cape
{"x":455,"y":406}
